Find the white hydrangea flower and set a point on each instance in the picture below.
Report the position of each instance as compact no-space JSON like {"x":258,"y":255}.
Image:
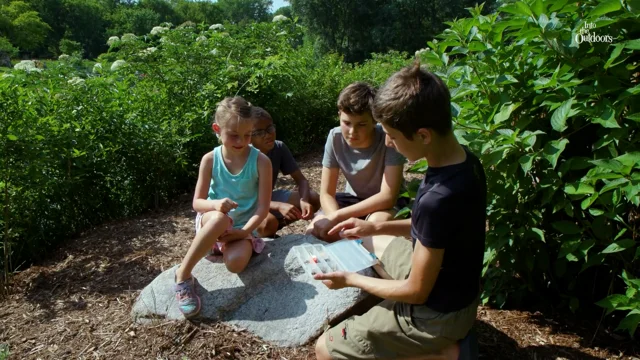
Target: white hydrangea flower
{"x":112,"y":40}
{"x":216,"y":27}
{"x":164,"y":40}
{"x":421,"y":51}
{"x":117,"y":64}
{"x":26,"y":65}
{"x":148,"y":51}
{"x":63,"y":57}
{"x":76,"y":81}
{"x":279,"y":18}
{"x":214,"y":52}
{"x":158,"y":30}
{"x":128,"y":37}
{"x":201,"y":38}
{"x":97,"y":68}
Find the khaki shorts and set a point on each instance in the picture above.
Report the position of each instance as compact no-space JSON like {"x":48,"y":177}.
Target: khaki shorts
{"x":391,"y":329}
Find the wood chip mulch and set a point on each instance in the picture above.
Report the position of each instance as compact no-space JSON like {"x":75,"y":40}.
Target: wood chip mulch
{"x":77,"y":304}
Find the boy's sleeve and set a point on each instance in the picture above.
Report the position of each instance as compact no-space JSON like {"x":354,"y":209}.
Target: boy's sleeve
{"x":329,"y":159}
{"x":393,"y":157}
{"x":435,"y":221}
{"x":288,"y":164}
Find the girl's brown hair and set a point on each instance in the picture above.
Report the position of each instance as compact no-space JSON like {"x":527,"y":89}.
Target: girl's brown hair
{"x":232,"y":109}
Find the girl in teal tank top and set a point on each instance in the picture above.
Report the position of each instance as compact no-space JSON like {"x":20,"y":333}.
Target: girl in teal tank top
{"x":241,"y":188}
{"x":232,"y":198}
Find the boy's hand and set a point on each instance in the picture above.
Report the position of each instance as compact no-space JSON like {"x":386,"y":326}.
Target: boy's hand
{"x":307,"y":209}
{"x":225,"y":205}
{"x":334,"y":280}
{"x":353,"y":228}
{"x":233,"y":235}
{"x":322,"y":226}
{"x":290,"y":212}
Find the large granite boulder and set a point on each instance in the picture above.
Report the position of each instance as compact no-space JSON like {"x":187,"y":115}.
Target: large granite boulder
{"x":273,"y":298}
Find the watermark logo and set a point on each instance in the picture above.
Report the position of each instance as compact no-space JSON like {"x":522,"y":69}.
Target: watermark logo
{"x":585,"y":34}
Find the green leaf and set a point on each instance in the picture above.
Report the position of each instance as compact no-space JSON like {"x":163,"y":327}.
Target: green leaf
{"x":617,"y":50}
{"x":605,"y":8}
{"x":612,"y":302}
{"x":567,"y":248}
{"x":629,"y":159}
{"x":538,"y":233}
{"x":560,"y":115}
{"x":506,"y":79}
{"x":607,"y":118}
{"x":505,"y":112}
{"x":632,"y":44}
{"x":588,"y":201}
{"x":553,"y":149}
{"x":526,"y":162}
{"x":634,"y":117}
{"x":12,"y":137}
{"x":567,"y":227}
{"x":622,"y":232}
{"x":618,"y":246}
{"x":610,"y":164}
{"x":613,"y":185}
{"x":578,"y":189}
{"x":403,"y":213}
{"x":630,"y":322}
{"x":596,"y":212}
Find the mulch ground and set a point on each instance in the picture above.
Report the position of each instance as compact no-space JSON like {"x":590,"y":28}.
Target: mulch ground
{"x":78,"y":303}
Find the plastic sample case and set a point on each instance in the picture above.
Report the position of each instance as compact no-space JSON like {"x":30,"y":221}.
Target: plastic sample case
{"x":343,"y":255}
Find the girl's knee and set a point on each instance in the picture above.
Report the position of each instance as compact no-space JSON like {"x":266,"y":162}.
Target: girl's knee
{"x":215,"y":217}
{"x":269,"y":226}
{"x":236,"y":266}
{"x":380,"y":216}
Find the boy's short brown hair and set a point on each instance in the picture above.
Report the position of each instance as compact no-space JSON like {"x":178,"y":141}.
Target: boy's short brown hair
{"x":259,"y":113}
{"x":357,"y":98}
{"x":414,"y":98}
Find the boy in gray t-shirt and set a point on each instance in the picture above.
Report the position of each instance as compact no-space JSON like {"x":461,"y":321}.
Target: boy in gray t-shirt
{"x":286,"y":206}
{"x":374,"y":172}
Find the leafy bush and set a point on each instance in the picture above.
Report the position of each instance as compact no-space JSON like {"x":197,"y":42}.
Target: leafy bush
{"x":555,"y":122}
{"x":80,"y":147}
{"x":71,"y":47}
{"x":7,"y":48}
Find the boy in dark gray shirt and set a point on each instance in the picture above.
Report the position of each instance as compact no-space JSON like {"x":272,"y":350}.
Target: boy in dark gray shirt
{"x":286,"y":206}
{"x":373,"y":171}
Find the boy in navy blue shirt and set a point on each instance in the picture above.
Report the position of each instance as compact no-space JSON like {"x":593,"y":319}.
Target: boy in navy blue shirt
{"x":430,"y":283}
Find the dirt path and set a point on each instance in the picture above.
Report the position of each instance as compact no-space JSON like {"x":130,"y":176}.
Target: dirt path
{"x":77,"y":305}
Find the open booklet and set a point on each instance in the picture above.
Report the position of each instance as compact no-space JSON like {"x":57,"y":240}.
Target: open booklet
{"x":343,"y":255}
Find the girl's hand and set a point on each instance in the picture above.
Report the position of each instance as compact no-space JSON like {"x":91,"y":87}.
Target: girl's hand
{"x":307,"y":210}
{"x":234,"y":235}
{"x":225,"y":205}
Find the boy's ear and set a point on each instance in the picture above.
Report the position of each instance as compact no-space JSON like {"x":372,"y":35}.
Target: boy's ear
{"x":425,"y":135}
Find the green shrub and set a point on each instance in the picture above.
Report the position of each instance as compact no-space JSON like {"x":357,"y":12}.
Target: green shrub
{"x":556,"y":125}
{"x":7,"y":48}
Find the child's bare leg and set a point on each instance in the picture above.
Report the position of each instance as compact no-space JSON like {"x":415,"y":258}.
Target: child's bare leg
{"x":214,"y":223}
{"x":380,"y":216}
{"x":269,"y":226}
{"x":237,"y":255}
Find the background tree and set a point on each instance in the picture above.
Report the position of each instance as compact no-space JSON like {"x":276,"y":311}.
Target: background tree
{"x":242,"y":11}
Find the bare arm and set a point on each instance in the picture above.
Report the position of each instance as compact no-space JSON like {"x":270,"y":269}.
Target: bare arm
{"x":328,"y":186}
{"x":385,"y":199}
{"x":303,"y":185}
{"x":200,"y":202}
{"x":394,"y":228}
{"x":264,"y":194}
{"x":425,"y":267}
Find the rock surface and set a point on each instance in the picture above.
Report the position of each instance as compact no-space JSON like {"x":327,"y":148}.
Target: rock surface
{"x":273,"y":298}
